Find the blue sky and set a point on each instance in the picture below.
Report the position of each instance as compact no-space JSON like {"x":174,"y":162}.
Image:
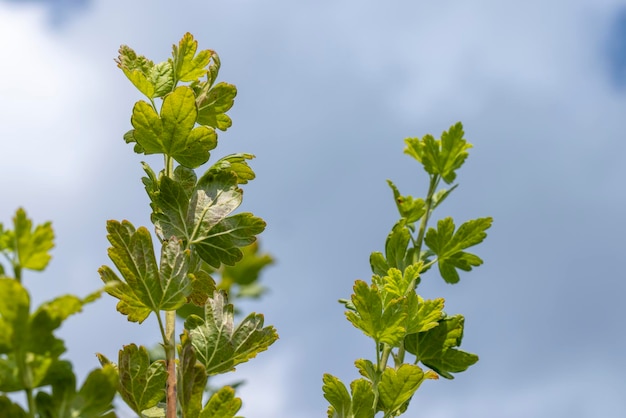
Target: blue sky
{"x":328,"y":90}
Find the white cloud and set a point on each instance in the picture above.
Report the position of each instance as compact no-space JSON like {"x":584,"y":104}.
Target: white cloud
{"x":47,"y":124}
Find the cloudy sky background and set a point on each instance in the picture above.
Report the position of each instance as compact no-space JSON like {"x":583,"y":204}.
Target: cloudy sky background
{"x":328,"y":90}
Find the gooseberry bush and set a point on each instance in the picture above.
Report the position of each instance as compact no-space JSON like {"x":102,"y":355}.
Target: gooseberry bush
{"x":203,"y":256}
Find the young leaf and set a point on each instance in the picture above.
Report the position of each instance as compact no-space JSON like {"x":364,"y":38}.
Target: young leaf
{"x":396,"y":246}
{"x":360,"y":405}
{"x":440,"y":157}
{"x":397,"y":386}
{"x":14,"y":315}
{"x":337,"y":395}
{"x":410,"y":209}
{"x":192,"y":379}
{"x":213,"y":105}
{"x":188,"y":66}
{"x":218,"y":344}
{"x":422,"y":314}
{"x":222,"y":404}
{"x":32,"y":246}
{"x":449,"y":245}
{"x":383,"y":323}
{"x":379,"y":264}
{"x":362,"y":399}
{"x":173,"y":133}
{"x":10,"y":409}
{"x":237,"y":164}
{"x":152,"y":80}
{"x":435,"y":348}
{"x":141,"y":383}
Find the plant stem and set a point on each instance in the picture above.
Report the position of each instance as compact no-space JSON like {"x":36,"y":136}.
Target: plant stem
{"x":434,"y":182}
{"x":32,"y":406}
{"x":170,"y":359}
{"x":170,"y":335}
{"x":432,"y":188}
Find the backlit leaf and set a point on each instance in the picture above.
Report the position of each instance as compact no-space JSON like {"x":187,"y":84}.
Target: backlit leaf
{"x":141,"y":383}
{"x":440,"y":157}
{"x":337,"y":395}
{"x":14,"y":314}
{"x":410,"y":209}
{"x":237,"y":163}
{"x":436,"y":348}
{"x":187,"y":65}
{"x":218,"y":344}
{"x":152,"y":80}
{"x":213,"y":105}
{"x":172,"y":132}
{"x":383,"y":323}
{"x":222,"y":404}
{"x":397,"y":386}
{"x":32,"y":246}
{"x":449,"y":245}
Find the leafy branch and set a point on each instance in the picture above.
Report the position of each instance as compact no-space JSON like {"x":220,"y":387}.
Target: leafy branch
{"x":199,"y":235}
{"x":391,"y":313}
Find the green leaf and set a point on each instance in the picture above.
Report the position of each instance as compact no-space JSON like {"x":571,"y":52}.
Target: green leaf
{"x":132,"y":253}
{"x":379,"y":264}
{"x":396,"y":245}
{"x":337,"y":395}
{"x":222,"y":243}
{"x":32,"y":246}
{"x":14,"y":315}
{"x":396,"y":284}
{"x":141,"y":383}
{"x":218,"y":344}
{"x":222,"y":404}
{"x":175,"y":283}
{"x":422,"y":314}
{"x":188,"y":66}
{"x":440,"y":157}
{"x":170,"y":207}
{"x":215,"y":197}
{"x":435,"y":348}
{"x":342,"y":405}
{"x":192,"y":379}
{"x":368,"y":369}
{"x":151,"y":80}
{"x":94,"y":400}
{"x":8,"y":409}
{"x":95,"y":397}
{"x":410,"y":209}
{"x":382,"y":323}
{"x":147,"y":287}
{"x":213,"y":105}
{"x":173,"y":133}
{"x":47,"y":318}
{"x":237,"y":164}
{"x":362,"y":399}
{"x":449,"y":245}
{"x":397,"y":386}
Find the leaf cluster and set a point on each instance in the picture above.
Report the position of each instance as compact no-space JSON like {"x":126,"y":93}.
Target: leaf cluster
{"x":389,"y":310}
{"x":30,"y":352}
